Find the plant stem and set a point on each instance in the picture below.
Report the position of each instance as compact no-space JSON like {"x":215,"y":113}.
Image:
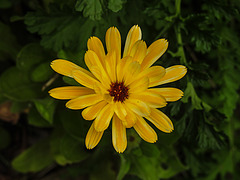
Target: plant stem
{"x":178,"y":7}
{"x":181,"y":52}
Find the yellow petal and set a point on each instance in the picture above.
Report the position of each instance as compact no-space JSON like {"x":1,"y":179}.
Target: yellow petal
{"x":154,"y":74}
{"x":170,"y":94}
{"x":84,"y":101}
{"x":154,"y":52}
{"x":138,"y":106}
{"x":120,"y":110}
{"x":91,"y":59}
{"x":93,"y":137}
{"x":134,"y":35}
{"x":102,"y":76}
{"x":152,"y":99}
{"x":160,"y":120}
{"x":69,"y":92}
{"x":138,"y":51}
{"x":145,"y":131}
{"x":130,"y":118}
{"x":113,"y":41}
{"x":96,"y":45}
{"x":103,"y":118}
{"x":100,"y":88}
{"x":96,"y":66}
{"x":96,"y":72}
{"x":122,"y":67}
{"x":111,"y":65}
{"x":108,"y":98}
{"x":139,"y":85}
{"x":65,"y":67}
{"x":91,"y":112}
{"x":119,"y":138}
{"x":173,"y":73}
{"x":86,"y":79}
{"x":131,"y":72}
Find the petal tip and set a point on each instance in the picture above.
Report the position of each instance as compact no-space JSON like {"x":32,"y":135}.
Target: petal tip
{"x":184,"y":69}
{"x":68,"y":105}
{"x":53,"y":63}
{"x":153,"y":141}
{"x":120,"y":149}
{"x":50,"y":91}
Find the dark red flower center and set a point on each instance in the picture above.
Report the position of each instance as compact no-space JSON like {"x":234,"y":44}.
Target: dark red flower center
{"x":119,"y":91}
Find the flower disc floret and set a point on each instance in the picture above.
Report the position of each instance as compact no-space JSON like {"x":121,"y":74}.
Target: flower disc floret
{"x":118,"y":91}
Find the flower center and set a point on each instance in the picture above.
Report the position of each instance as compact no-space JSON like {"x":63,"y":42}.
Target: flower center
{"x":119,"y":91}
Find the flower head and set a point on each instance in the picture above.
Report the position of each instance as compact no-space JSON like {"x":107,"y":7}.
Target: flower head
{"x":120,"y":89}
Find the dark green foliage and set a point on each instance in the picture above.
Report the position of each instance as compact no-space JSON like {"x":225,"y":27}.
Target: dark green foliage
{"x":60,"y":30}
{"x":4,"y":138}
{"x":8,"y":45}
{"x":16,"y":85}
{"x":91,"y":8}
{"x":34,"y":158}
{"x":48,"y":139}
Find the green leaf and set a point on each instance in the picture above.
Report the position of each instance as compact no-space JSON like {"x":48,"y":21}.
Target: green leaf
{"x":35,"y":119}
{"x":162,"y":165}
{"x":16,"y":85}
{"x":30,"y":55}
{"x":172,"y":165}
{"x":55,"y":142}
{"x":34,"y":159}
{"x":18,"y":107}
{"x":175,"y":108}
{"x":225,"y":165}
{"x":208,"y":138}
{"x":4,"y":4}
{"x":60,"y":29}
{"x":42,"y":72}
{"x":8,"y":44}
{"x":205,"y":40}
{"x":72,"y":122}
{"x":194,"y":162}
{"x":90,"y":8}
{"x":219,"y":9}
{"x":166,"y":139}
{"x":149,"y":150}
{"x":226,"y":98}
{"x":4,"y":138}
{"x":190,"y":93}
{"x":104,"y":171}
{"x":196,"y":101}
{"x":61,"y":159}
{"x":145,"y":168}
{"x":115,"y":5}
{"x":46,"y":108}
{"x":200,"y":32}
{"x":73,"y":150}
{"x":124,"y":168}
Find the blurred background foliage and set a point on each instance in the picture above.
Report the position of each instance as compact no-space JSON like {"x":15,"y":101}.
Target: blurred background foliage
{"x":41,"y":139}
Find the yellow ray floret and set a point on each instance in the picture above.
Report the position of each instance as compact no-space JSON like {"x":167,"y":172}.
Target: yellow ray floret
{"x":119,"y":138}
{"x":70,"y":92}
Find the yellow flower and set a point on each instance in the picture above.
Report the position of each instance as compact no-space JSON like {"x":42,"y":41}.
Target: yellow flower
{"x":121,"y":89}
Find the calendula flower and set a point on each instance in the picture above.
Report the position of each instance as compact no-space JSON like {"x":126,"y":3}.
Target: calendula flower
{"x":120,"y":89}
